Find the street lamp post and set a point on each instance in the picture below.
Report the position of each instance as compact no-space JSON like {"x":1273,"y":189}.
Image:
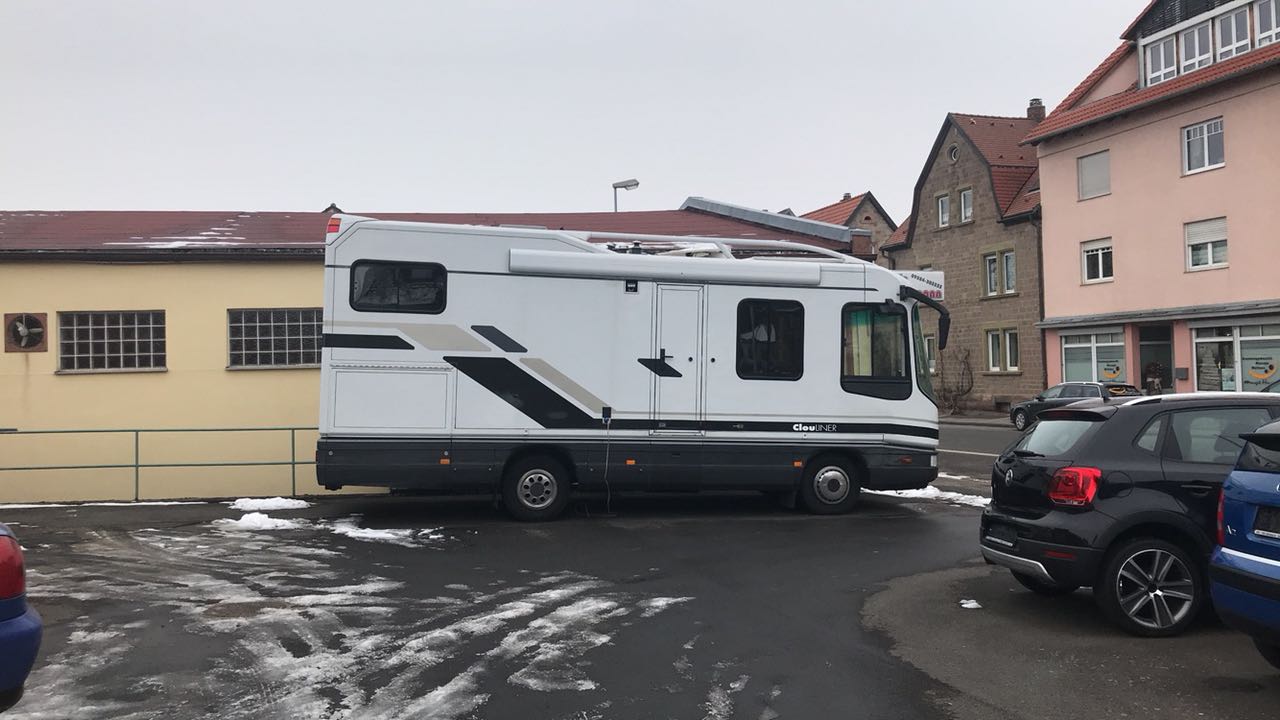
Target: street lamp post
{"x":631,"y":184}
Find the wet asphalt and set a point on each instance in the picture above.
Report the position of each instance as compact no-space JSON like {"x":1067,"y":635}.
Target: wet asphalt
{"x":684,"y":607}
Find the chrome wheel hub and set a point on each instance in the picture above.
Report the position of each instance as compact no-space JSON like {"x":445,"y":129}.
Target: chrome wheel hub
{"x":536,"y":489}
{"x":831,"y":485}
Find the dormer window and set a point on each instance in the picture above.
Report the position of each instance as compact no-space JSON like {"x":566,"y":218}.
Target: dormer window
{"x":1233,"y":34}
{"x":1197,"y":47}
{"x":1162,"y":63}
{"x":1265,"y":11}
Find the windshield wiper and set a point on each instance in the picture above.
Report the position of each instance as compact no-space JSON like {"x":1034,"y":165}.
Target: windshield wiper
{"x":1028,"y":454}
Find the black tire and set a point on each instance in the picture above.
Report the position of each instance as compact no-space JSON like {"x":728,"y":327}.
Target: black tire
{"x":536,"y":488}
{"x":1020,"y":419}
{"x":1135,"y":590}
{"x":830,"y":485}
{"x":1270,"y":653}
{"x":1043,"y":587}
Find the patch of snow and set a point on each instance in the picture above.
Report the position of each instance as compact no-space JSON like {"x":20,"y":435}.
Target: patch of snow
{"x":456,"y":586}
{"x":653,"y":606}
{"x":970,"y":605}
{"x":348,"y":528}
{"x":949,"y":476}
{"x":683,"y":667}
{"x":933,"y":493}
{"x":260,"y":521}
{"x":265,"y":504}
{"x":30,"y":506}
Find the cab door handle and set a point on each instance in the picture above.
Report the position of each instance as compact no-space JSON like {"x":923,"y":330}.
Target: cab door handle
{"x":1199,"y":488}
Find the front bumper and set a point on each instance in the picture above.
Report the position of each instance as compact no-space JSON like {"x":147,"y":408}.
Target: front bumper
{"x":19,"y":643}
{"x":1040,"y":548}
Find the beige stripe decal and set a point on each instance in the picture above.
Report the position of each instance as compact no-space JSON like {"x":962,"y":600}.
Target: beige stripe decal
{"x":560,"y":380}
{"x":430,"y":336}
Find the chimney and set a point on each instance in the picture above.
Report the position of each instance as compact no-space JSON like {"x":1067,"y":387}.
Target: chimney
{"x":847,"y":196}
{"x":1035,"y":111}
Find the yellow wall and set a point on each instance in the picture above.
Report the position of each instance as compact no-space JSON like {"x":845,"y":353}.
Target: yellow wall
{"x":197,"y":390}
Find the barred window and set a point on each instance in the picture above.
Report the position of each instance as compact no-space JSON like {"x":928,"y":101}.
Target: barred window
{"x":105,"y":341}
{"x":282,"y":337}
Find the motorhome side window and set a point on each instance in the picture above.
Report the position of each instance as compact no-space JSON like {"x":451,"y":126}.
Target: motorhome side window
{"x":874,"y":357}
{"x":770,"y":340}
{"x":398,"y":287}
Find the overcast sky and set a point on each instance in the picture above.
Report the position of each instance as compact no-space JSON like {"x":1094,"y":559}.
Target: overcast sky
{"x":511,"y":105}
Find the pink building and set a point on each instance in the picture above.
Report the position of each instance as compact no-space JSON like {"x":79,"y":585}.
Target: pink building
{"x":1159,"y":178}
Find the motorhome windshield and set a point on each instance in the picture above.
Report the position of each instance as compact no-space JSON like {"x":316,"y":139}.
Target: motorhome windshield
{"x":924,"y":379}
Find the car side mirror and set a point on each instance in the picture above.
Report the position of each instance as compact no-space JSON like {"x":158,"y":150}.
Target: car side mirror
{"x":1039,"y":397}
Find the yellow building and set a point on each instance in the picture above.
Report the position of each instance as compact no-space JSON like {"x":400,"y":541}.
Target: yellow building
{"x":162,"y":355}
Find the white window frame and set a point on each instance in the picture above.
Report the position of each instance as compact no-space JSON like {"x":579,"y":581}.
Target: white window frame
{"x":931,"y":353}
{"x":1237,"y":46}
{"x":1093,"y":345}
{"x":1270,"y":8}
{"x":1009,"y":260}
{"x":966,"y":205}
{"x":1205,"y":129}
{"x":1164,"y":73}
{"x":944,"y":211}
{"x":1080,"y":164}
{"x":1203,"y":56}
{"x":991,"y":274}
{"x":1212,"y":244}
{"x":994,"y":350}
{"x":1011,"y":363}
{"x":1097,"y":248}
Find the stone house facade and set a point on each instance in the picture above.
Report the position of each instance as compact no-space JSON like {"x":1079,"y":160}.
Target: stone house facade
{"x":975,"y":217}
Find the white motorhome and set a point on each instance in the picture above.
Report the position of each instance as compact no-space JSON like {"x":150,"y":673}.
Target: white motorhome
{"x":533,"y":363}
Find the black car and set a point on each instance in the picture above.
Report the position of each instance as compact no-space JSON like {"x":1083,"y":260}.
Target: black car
{"x":1121,"y":496}
{"x":1026,"y":412}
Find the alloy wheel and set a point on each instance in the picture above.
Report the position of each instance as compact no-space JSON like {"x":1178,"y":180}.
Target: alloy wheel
{"x":1155,"y":588}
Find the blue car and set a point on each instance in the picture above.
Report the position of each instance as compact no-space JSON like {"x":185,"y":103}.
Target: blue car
{"x":20,"y":625}
{"x":1245,"y":569}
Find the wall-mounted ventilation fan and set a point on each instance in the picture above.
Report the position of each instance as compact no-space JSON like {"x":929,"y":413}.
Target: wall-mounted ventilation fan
{"x":25,"y":332}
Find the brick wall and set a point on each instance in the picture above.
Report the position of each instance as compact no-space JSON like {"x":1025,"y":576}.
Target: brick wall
{"x":958,"y":250}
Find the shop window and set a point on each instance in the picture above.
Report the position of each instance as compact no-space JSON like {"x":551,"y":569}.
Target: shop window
{"x":398,"y":287}
{"x":1094,"y":357}
{"x":111,"y":341}
{"x":770,"y":340}
{"x":273,"y":338}
{"x":1237,"y":358}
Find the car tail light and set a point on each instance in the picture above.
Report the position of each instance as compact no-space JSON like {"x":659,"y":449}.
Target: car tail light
{"x":1222,"y":529}
{"x":1074,"y":486}
{"x":335,"y":224}
{"x":13,"y":581}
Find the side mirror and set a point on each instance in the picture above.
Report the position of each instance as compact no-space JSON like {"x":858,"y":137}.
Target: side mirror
{"x":1039,"y":397}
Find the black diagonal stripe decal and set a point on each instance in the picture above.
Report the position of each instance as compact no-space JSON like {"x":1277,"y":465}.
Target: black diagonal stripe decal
{"x":524,"y":392}
{"x":372,"y":342}
{"x":660,"y":367}
{"x":498,"y":338}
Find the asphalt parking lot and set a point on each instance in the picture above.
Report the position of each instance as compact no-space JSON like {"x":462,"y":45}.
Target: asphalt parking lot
{"x":673,"y":607}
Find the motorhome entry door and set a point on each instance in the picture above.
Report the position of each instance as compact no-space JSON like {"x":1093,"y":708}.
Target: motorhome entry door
{"x":678,"y":350}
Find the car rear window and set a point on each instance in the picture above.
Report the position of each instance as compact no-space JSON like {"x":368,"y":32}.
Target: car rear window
{"x":1055,"y":438}
{"x":1261,"y":455}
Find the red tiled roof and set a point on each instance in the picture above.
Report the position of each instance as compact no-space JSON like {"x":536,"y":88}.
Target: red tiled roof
{"x":1027,"y":199}
{"x":837,"y":213}
{"x":231,"y":233}
{"x":999,"y":141}
{"x":1115,"y":58}
{"x":899,"y":236}
{"x":1063,"y":120}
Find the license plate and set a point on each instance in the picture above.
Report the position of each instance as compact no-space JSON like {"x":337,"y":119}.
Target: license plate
{"x":1267,"y":523}
{"x":1002,"y":535}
